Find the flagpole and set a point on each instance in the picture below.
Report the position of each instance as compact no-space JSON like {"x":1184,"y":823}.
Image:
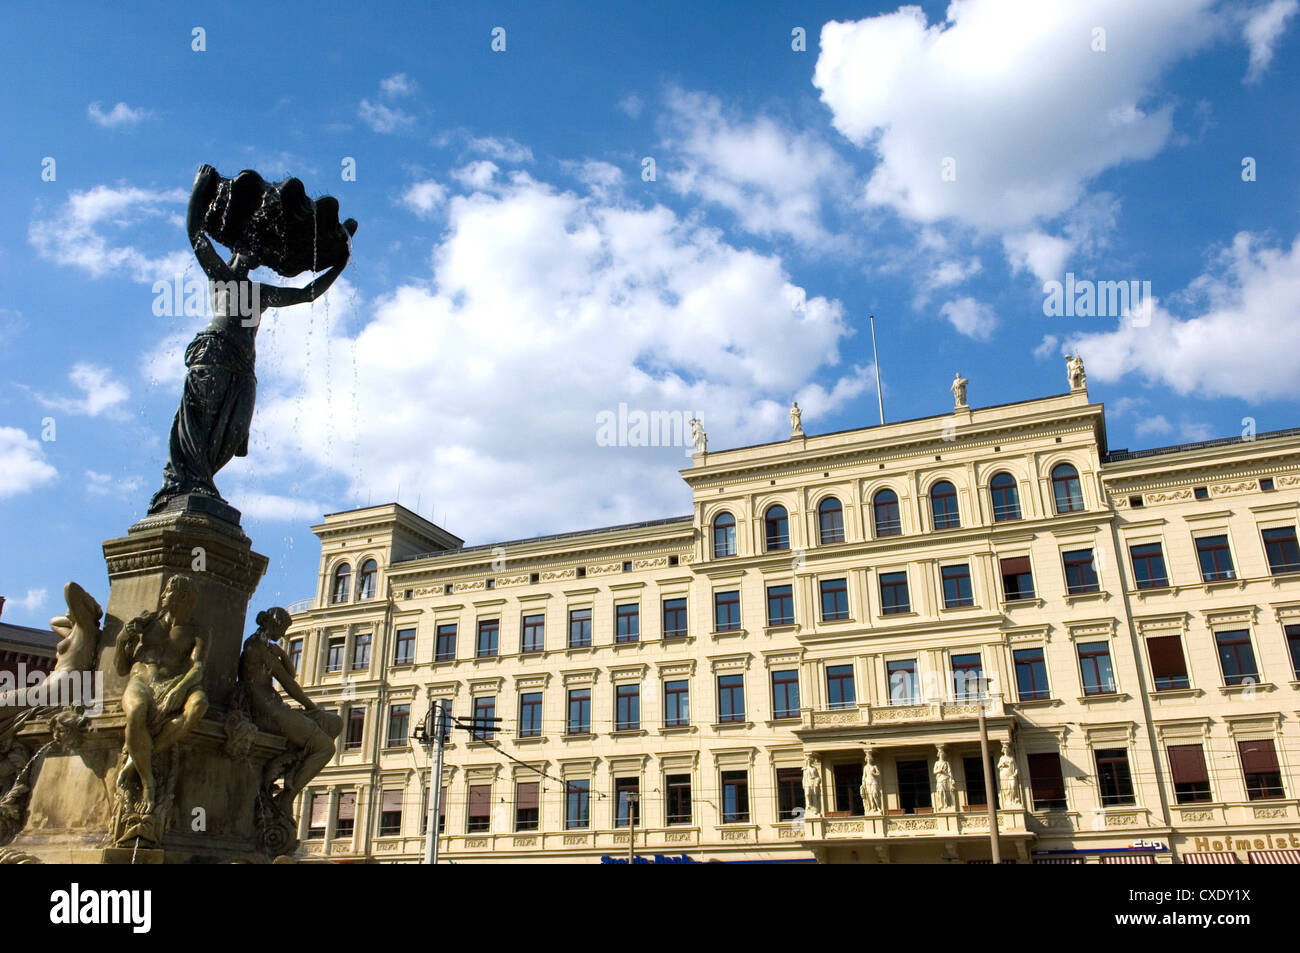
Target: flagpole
{"x":880,"y":396}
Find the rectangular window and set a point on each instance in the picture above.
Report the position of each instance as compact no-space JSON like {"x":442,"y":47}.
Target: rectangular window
{"x":346,"y":820}
{"x":320,"y":813}
{"x":1283,"y":552}
{"x":445,"y":650}
{"x":726,"y":611}
{"x":848,"y":788}
{"x":334,"y":657}
{"x":579,"y":628}
{"x":488,"y":630}
{"x":530,"y":715}
{"x":967,"y":676}
{"x":479,"y":817}
{"x":1237,"y":657}
{"x":577,"y":805}
{"x":1168,"y":667}
{"x":1031,"y":674}
{"x":527,"y":805}
{"x":1113,"y":777}
{"x":1260,"y":769}
{"x":1046,"y":783}
{"x":1149,"y":566}
{"x":1215,"y":558}
{"x":628,"y":621}
{"x":840,"y":690}
{"x":913,"y":785}
{"x":1017,"y":578}
{"x":627,"y":798}
{"x":731,"y":698}
{"x":627,"y":707}
{"x":1191,"y":779}
{"x":677,"y":805}
{"x":1293,"y":644}
{"x":785,"y":693}
{"x":904,"y":687}
{"x":1094,"y":663}
{"x":1080,"y":572}
{"x":390,"y":813}
{"x":399,"y":725}
{"x":356,"y":733}
{"x":780,"y":605}
{"x":404,"y":647}
{"x":361,"y":651}
{"x":893,"y":593}
{"x":677,"y":704}
{"x":485,"y":713}
{"x":735,"y":797}
{"x":789,"y":794}
{"x":835,"y":599}
{"x":976,"y":796}
{"x":579,"y":722}
{"x":675,"y":619}
{"x":295,"y":656}
{"x":957,"y":591}
{"x":533,"y":638}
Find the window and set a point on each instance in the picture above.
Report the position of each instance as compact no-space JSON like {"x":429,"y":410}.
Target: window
{"x":346,"y":821}
{"x":957,"y":592}
{"x":1046,"y":784}
{"x":320,"y":813}
{"x":527,"y":805}
{"x":1149,"y":566}
{"x":943,"y":505}
{"x":903,"y":685}
{"x":1191,"y":779}
{"x":848,"y":788}
{"x":726,"y":611}
{"x":1006,"y":498}
{"x":628,"y":622}
{"x":334,"y":653}
{"x":295,"y":656}
{"x":1283,"y":552}
{"x":445,"y":649}
{"x":1168,"y":667}
{"x":361,"y":651}
{"x":1066,"y":489}
{"x":1266,"y":483}
{"x":488,"y":630}
{"x":835,"y":599}
{"x":1080,"y":571}
{"x":1260,"y":770}
{"x":735,"y":797}
{"x":1293,"y":644}
{"x":913,"y":785}
{"x":399,"y":725}
{"x":1094,"y":663}
{"x":342,"y":583}
{"x":780,"y":605}
{"x":485,"y":713}
{"x":1215,"y":558}
{"x":530,"y":715}
{"x":840,"y":691}
{"x":789,"y":794}
{"x":776,"y":529}
{"x":884,"y":514}
{"x":627,"y":797}
{"x":785,"y":693}
{"x":390,"y":813}
{"x":577,"y":805}
{"x":627,"y":707}
{"x":366,"y":579}
{"x":967,"y":676}
{"x":534,"y":633}
{"x":830,"y":521}
{"x":1113,"y":776}
{"x":731,"y":698}
{"x":1017,"y":578}
{"x":1237,"y":657}
{"x":579,"y":721}
{"x":677,"y":807}
{"x":675,"y":619}
{"x":972,"y":769}
{"x":893,"y":593}
{"x":724,"y":535}
{"x":579,"y":628}
{"x":404,"y":647}
{"x":355,"y":736}
{"x":479,"y":816}
{"x":1031,"y":674}
{"x":677,"y":703}
{"x":1200,"y":492}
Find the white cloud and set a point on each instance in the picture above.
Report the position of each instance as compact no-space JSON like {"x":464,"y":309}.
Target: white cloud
{"x":1047,"y":347}
{"x":970,"y":317}
{"x":423,"y":197}
{"x":477,"y":174}
{"x":105,"y":484}
{"x":34,"y":599}
{"x":503,"y":149}
{"x":399,"y":84}
{"x":101,"y":392}
{"x":383,"y":118}
{"x":120,"y":116}
{"x":1041,"y":254}
{"x":274,"y":508}
{"x":602,"y":179}
{"x":631,"y":105}
{"x":1148,"y":426}
{"x":1194,"y":430}
{"x":22,"y":463}
{"x":1261,"y":31}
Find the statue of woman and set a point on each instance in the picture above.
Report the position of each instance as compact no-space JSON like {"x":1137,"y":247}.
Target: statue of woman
{"x":1008,"y":778}
{"x":812,"y":786}
{"x":871,"y":793}
{"x":944,"y":788}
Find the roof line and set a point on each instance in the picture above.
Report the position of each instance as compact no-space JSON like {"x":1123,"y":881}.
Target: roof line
{"x":552,"y":536}
{"x":1117,"y":456}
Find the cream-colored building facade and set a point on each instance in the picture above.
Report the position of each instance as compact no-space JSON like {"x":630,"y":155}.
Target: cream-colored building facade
{"x":1129,"y":623}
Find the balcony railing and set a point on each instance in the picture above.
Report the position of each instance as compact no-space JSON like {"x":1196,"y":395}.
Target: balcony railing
{"x":920,"y":711}
{"x":888,"y":826}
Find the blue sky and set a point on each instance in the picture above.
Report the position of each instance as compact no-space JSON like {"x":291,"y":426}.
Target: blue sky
{"x":515,"y":274}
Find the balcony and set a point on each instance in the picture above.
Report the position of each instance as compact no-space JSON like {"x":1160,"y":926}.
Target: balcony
{"x":820,"y":830}
{"x":920,"y":713}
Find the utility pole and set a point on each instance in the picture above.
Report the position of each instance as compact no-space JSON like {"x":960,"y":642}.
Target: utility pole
{"x":988,"y":783}
{"x":633,"y":805}
{"x":438,"y":716}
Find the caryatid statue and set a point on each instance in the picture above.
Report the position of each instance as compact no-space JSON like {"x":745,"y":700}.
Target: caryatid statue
{"x":1008,"y":778}
{"x":958,"y":391}
{"x":872,"y":795}
{"x":812,"y":786}
{"x":945,"y":790}
{"x":271,"y":224}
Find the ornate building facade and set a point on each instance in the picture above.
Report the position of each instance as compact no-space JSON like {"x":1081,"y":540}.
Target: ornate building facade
{"x":796,"y":669}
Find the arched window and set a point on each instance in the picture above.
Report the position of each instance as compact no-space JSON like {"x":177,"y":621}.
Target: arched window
{"x":776,"y":529}
{"x":884,"y":512}
{"x":724,"y":535}
{"x":1066,"y":489}
{"x":366,"y":581}
{"x":1006,"y":500}
{"x":830,"y":521}
{"x":943,"y":505}
{"x":342,"y":583}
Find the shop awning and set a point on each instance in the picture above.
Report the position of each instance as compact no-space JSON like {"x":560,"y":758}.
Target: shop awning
{"x":1210,"y":857}
{"x":1274,"y":856}
{"x":1128,"y":859}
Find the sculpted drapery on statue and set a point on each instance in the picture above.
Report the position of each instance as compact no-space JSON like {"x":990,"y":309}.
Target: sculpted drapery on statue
{"x":271,"y":224}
